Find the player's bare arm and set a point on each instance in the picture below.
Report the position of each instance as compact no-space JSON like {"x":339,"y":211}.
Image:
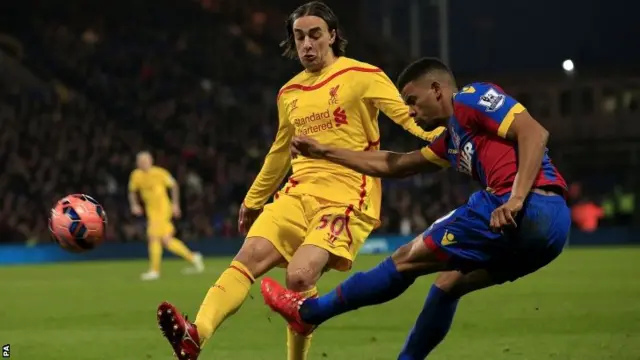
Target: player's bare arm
{"x":275,"y":167}
{"x":532,"y":141}
{"x":372,"y":163}
{"x":531,"y":138}
{"x":175,"y":199}
{"x":134,"y":203}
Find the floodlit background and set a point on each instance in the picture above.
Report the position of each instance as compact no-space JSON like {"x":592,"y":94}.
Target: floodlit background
{"x":84,"y":85}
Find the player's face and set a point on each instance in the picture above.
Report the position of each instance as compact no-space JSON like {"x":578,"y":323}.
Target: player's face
{"x":313,"y":41}
{"x":144,"y":162}
{"x":425,"y":104}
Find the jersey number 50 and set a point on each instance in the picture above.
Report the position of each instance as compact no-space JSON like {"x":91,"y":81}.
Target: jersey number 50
{"x":336,"y":224}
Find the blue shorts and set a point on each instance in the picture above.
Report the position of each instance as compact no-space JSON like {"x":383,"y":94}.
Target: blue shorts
{"x":463,"y":237}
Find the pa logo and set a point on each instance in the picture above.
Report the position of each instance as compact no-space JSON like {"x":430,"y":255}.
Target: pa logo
{"x":6,"y":351}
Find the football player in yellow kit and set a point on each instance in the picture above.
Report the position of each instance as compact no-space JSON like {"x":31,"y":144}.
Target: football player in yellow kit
{"x":324,"y":213}
{"x":152,"y":182}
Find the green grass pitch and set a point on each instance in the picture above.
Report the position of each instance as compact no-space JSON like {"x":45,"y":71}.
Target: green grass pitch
{"x":585,"y":306}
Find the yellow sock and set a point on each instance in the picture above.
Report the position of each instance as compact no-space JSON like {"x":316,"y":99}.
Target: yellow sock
{"x":155,"y":255}
{"x":224,"y":298}
{"x":179,"y":248}
{"x":297,"y":345}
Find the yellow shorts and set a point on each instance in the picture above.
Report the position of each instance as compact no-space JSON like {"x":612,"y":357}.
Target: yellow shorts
{"x":294,"y":220}
{"x":160,"y":225}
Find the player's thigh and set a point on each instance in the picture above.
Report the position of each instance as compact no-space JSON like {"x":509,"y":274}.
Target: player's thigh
{"x":160,"y":227}
{"x":418,"y":258}
{"x":340,"y":231}
{"x":463,"y":240}
{"x":283,"y":224}
{"x":259,"y":255}
{"x":520,"y":263}
{"x":543,"y":233}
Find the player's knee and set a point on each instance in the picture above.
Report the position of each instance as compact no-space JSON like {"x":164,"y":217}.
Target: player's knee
{"x":301,"y":278}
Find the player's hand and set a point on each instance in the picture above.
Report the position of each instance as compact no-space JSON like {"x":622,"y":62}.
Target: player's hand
{"x":306,"y":146}
{"x":246,"y":217}
{"x":136,"y":210}
{"x":176,"y":211}
{"x":505,"y":214}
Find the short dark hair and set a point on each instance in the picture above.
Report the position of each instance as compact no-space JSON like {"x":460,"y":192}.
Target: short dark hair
{"x":321,"y":10}
{"x":422,"y":67}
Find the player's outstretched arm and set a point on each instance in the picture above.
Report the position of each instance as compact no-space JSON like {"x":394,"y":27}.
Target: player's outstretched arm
{"x":275,"y":167}
{"x":134,"y":203}
{"x":372,"y":163}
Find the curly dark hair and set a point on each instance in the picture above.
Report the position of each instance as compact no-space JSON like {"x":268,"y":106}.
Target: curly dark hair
{"x":321,"y":10}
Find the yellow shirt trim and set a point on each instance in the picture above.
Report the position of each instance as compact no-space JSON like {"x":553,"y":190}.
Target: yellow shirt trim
{"x":508,"y":119}
{"x":432,"y":157}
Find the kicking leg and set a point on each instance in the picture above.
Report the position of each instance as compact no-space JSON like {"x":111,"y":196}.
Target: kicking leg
{"x":383,"y":283}
{"x":224,"y":298}
{"x":272,"y":240}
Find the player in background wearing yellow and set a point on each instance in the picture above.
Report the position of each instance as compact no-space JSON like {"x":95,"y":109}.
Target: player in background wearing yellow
{"x":324,"y":213}
{"x":152,"y":182}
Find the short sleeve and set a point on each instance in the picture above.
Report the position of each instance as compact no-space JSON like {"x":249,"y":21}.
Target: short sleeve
{"x":494,"y":109}
{"x":134,"y":181}
{"x":436,"y":152}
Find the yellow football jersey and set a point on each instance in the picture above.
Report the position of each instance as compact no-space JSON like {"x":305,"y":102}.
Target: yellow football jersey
{"x":338,"y":106}
{"x":152,"y":185}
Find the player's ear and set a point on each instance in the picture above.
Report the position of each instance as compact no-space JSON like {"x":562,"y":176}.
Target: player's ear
{"x":436,"y":87}
{"x":332,"y":36}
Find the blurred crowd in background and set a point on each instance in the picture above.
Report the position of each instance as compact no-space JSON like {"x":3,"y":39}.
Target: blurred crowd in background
{"x":194,"y":82}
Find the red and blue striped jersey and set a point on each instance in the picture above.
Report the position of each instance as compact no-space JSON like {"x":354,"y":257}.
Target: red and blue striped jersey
{"x":475,"y":141}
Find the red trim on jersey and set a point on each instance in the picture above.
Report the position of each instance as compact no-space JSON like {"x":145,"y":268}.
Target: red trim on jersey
{"x":327,"y":80}
{"x":363,"y":184}
{"x":363,"y":191}
{"x":346,"y":224}
{"x":292,"y":183}
{"x":372,"y":144}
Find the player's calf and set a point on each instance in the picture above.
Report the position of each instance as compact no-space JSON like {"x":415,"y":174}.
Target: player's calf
{"x":229,"y":292}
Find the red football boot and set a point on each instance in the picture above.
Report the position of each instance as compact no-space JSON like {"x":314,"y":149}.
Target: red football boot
{"x":286,"y":303}
{"x":181,"y":333}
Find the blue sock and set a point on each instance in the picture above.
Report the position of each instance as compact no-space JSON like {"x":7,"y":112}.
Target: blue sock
{"x":432,"y":325}
{"x":376,"y":286}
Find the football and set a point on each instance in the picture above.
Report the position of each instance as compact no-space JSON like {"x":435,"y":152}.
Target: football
{"x":78,"y":223}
